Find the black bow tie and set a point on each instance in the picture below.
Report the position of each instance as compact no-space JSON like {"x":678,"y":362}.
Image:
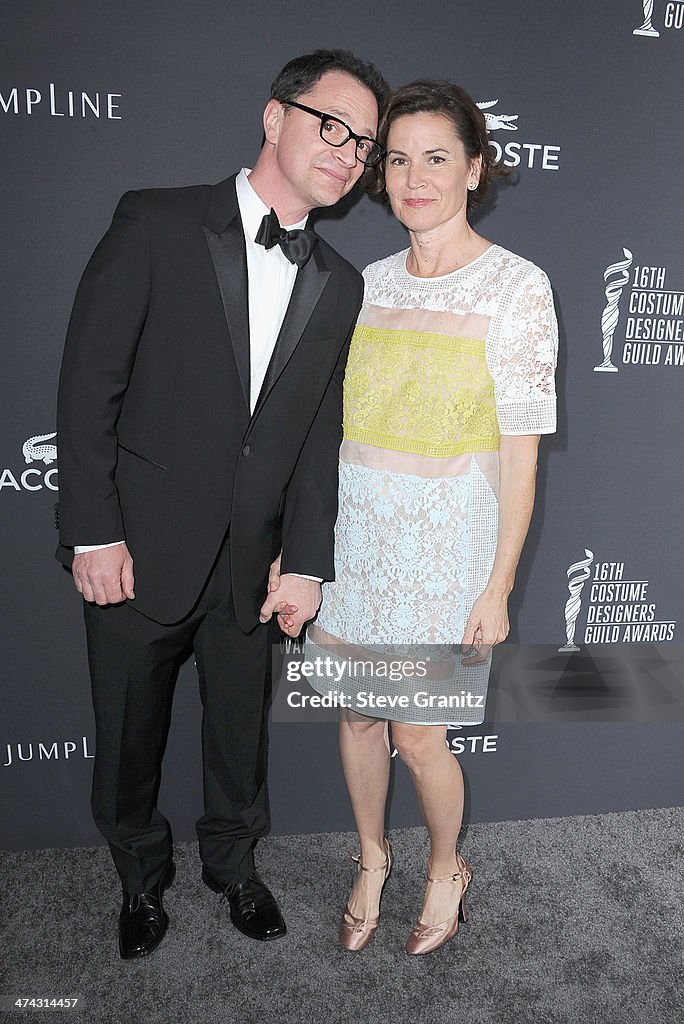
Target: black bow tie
{"x":297,"y":245}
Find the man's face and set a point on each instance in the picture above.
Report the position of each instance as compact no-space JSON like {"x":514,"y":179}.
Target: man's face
{"x":313,"y":172}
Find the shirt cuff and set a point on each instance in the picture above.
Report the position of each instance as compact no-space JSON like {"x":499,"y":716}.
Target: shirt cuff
{"x":81,"y":549}
{"x":303,"y":576}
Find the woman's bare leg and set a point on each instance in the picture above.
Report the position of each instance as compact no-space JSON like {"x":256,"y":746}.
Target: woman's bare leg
{"x":365,"y":755}
{"x":439,"y":785}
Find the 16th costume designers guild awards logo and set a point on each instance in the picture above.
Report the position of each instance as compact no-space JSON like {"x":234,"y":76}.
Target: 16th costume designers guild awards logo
{"x":672,"y":18}
{"x":642,"y":322}
{"x":618,"y":610}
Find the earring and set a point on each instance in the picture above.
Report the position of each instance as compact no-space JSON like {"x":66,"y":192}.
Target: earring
{"x":472,"y":185}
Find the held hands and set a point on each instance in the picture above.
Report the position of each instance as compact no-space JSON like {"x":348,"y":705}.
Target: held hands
{"x":104,"y":576}
{"x":487,"y":625}
{"x":293,"y":599}
{"x":274,"y":574}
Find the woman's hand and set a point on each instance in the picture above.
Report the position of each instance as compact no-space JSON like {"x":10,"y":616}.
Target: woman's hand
{"x":487,"y":625}
{"x":488,"y":621}
{"x":284,"y":612}
{"x":274,"y":574}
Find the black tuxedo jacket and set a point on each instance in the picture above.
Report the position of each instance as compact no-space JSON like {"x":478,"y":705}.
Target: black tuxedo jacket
{"x":156,"y":442}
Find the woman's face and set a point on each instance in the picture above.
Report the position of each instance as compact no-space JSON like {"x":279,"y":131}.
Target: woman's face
{"x":427,"y":172}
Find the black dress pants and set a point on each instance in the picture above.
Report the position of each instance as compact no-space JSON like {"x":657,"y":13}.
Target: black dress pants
{"x":134,"y":663}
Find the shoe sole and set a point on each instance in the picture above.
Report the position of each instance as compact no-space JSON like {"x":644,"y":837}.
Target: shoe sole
{"x":252,"y":935}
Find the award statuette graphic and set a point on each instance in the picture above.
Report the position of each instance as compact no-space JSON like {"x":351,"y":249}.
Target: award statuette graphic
{"x":611,"y":314}
{"x":578,"y":574}
{"x":647,"y":28}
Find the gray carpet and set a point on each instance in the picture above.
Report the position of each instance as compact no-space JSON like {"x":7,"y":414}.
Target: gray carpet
{"x":572,"y":921}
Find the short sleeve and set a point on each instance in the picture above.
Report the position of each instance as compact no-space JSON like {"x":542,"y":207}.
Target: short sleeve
{"x":522,"y":346}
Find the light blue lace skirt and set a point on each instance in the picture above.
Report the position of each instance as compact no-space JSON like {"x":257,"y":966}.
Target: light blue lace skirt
{"x":412,"y":554}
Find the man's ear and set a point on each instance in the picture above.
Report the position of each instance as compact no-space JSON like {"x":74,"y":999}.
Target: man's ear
{"x":273,"y":117}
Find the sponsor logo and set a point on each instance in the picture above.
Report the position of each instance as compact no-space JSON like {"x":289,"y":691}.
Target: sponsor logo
{"x":493,"y":122}
{"x":653,"y":319}
{"x":616,"y":609}
{"x":472,"y":744}
{"x":34,"y":450}
{"x":534,"y":155}
{"x":57,"y":750}
{"x":578,"y":573}
{"x":36,"y":477}
{"x":55,"y":101}
{"x":672,"y":17}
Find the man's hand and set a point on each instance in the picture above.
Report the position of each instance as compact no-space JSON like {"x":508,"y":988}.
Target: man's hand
{"x":104,"y":576}
{"x":294,"y":599}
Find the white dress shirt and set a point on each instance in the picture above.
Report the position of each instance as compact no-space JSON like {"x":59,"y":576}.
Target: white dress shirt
{"x":268,"y":299}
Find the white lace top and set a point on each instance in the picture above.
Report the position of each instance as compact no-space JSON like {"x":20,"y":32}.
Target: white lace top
{"x":438,"y":369}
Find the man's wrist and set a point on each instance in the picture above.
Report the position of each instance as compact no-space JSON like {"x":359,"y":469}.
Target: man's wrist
{"x":80,"y":549}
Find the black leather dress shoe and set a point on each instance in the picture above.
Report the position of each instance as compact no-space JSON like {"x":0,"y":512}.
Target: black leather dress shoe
{"x":253,"y":909}
{"x":143,"y":920}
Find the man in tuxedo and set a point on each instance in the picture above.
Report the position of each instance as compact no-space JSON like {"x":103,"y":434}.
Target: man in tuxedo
{"x":199,"y":421}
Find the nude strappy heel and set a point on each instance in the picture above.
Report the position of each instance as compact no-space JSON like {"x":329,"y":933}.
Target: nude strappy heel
{"x":427,"y":937}
{"x":357,"y":932}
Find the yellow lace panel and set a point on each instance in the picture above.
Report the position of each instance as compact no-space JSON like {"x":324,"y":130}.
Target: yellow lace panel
{"x":412,"y":391}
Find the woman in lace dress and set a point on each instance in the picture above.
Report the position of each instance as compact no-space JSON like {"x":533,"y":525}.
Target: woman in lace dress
{"x":449,"y":386}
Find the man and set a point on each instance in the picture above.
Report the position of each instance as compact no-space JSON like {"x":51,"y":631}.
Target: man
{"x":199,"y":420}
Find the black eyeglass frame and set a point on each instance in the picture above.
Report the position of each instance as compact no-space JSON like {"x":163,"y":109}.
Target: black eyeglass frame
{"x":351,"y":135}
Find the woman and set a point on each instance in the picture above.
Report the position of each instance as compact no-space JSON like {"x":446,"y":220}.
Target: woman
{"x":449,"y":386}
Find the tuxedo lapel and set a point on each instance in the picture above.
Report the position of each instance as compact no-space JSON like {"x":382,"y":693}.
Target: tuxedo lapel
{"x":226,"y":242}
{"x":309,"y":284}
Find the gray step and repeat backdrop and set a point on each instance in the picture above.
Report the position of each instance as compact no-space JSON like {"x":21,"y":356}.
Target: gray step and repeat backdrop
{"x":583,"y":101}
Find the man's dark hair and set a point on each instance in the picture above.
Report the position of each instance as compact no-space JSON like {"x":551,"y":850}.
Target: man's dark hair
{"x":302,"y":73}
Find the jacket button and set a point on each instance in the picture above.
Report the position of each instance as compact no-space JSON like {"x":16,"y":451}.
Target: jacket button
{"x":246,"y":450}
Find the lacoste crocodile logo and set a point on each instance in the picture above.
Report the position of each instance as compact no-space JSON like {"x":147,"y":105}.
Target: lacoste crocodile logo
{"x":34,"y":451}
{"x":493,"y":122}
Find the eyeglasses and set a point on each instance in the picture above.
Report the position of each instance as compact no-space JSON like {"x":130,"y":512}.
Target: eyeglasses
{"x":337,"y":133}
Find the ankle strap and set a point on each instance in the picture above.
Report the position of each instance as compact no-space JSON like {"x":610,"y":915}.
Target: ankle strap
{"x":463,"y":869}
{"x":362,"y":867}
{"x":383,"y":867}
{"x":447,"y":878}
